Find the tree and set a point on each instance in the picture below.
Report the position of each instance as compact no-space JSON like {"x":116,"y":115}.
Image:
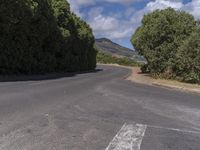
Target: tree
{"x":27,"y":27}
{"x":41,"y":36}
{"x":79,"y":39}
{"x":159,"y":37}
{"x":188,"y":58}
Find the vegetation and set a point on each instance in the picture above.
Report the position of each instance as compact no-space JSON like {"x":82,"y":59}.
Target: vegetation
{"x":41,"y":36}
{"x":169,"y":40}
{"x":109,"y":59}
{"x":188,"y":59}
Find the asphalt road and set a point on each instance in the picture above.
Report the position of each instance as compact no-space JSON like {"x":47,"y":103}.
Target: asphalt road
{"x":86,"y":111}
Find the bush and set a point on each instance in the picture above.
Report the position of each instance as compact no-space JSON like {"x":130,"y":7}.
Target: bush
{"x":188,"y":59}
{"x":41,"y":36}
{"x":26,"y":29}
{"x":160,"y":35}
{"x":109,"y":59}
{"x":144,"y":68}
{"x":79,"y":40}
{"x":170,"y":42}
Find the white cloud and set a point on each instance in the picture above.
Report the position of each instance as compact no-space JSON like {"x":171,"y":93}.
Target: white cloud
{"x":100,"y":22}
{"x":163,"y":4}
{"x":193,"y":8}
{"x":112,"y":25}
{"x":76,"y":4}
{"x":107,"y":26}
{"x":125,"y":2}
{"x":82,"y":2}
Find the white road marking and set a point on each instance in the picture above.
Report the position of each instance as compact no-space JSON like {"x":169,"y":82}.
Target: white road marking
{"x":173,"y":129}
{"x":128,"y":138}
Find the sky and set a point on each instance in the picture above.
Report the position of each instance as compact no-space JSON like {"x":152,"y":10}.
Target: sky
{"x":118,"y":19}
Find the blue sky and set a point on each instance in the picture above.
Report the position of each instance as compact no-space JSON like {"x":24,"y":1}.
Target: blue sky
{"x":118,"y":19}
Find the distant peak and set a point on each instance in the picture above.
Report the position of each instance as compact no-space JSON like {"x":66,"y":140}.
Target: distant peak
{"x":109,"y":47}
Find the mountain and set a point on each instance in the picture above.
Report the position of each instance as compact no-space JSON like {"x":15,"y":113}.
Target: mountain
{"x":109,"y":47}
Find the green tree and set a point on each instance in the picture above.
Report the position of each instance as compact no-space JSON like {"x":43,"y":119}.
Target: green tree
{"x":41,"y":36}
{"x":188,"y":58}
{"x":159,"y":37}
{"x":79,"y":39}
{"x":27,"y":30}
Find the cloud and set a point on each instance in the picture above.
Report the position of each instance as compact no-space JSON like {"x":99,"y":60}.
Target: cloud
{"x":77,"y":4}
{"x":99,"y":22}
{"x":124,"y":2}
{"x":193,"y":8}
{"x":82,"y":2}
{"x":162,"y":4}
{"x":107,"y":26}
{"x":120,"y":26}
{"x":151,"y":6}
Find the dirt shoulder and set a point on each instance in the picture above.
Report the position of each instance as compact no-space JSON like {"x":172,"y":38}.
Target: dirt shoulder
{"x":138,"y":77}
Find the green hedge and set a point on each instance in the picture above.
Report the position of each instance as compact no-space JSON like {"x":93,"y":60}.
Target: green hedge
{"x":42,"y":36}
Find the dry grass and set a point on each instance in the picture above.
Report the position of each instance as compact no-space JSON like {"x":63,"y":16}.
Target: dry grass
{"x":138,"y":77}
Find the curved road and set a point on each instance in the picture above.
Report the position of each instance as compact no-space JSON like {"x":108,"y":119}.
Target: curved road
{"x":86,"y":111}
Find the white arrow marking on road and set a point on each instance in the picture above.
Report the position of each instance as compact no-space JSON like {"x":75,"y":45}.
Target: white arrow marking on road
{"x":128,"y":138}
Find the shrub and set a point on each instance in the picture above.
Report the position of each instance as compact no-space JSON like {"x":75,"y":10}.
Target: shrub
{"x":188,"y":59}
{"x":144,"y":68}
{"x":109,"y":59}
{"x":160,"y":35}
{"x":170,"y":42}
{"x":41,"y":36}
{"x":79,"y":39}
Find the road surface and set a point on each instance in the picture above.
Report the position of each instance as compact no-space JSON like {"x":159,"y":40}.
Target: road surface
{"x":96,"y":111}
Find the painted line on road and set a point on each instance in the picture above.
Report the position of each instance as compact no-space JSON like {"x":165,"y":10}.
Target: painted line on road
{"x":129,"y":137}
{"x":173,"y":129}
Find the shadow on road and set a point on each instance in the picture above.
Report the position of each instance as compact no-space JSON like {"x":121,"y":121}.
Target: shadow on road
{"x":51,"y":76}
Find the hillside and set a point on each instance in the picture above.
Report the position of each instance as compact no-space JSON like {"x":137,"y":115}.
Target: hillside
{"x":107,"y":46}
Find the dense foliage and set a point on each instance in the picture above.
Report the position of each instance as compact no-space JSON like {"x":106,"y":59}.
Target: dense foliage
{"x":79,"y":40}
{"x":162,"y":37}
{"x":188,"y":59}
{"x":109,"y":59}
{"x":41,"y":36}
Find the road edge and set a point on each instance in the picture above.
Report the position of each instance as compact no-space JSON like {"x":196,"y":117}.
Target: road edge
{"x":154,"y":82}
